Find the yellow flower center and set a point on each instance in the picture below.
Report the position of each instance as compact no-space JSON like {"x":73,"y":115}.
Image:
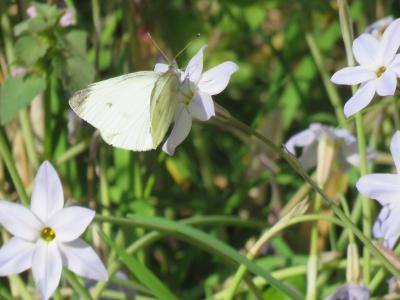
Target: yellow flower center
{"x":380,"y":71}
{"x":48,"y":234}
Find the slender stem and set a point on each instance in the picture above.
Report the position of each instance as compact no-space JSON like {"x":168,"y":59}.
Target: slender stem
{"x":347,"y":33}
{"x":23,"y":114}
{"x":253,"y":253}
{"x":329,"y":87}
{"x":76,"y":285}
{"x":104,"y":197}
{"x":5,"y":153}
{"x":154,"y":236}
{"x":295,"y":164}
{"x":28,"y":138}
{"x":72,"y":152}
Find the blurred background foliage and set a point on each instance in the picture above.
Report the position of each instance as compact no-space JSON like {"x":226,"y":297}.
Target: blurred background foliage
{"x":278,"y":90}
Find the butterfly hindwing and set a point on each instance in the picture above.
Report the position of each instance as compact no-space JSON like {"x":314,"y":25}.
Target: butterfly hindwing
{"x":120,"y":108}
{"x":164,"y":101}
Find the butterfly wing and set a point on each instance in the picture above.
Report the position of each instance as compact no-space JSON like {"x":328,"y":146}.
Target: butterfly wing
{"x":164,"y":100}
{"x":120,"y":108}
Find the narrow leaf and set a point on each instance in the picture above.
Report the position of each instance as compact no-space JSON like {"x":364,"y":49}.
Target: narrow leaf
{"x":144,"y":275}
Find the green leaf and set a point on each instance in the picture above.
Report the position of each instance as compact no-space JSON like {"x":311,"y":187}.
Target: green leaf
{"x":80,"y":72}
{"x":30,"y":49}
{"x":76,"y":42}
{"x":16,"y":93}
{"x":204,"y":241}
{"x":144,"y":275}
{"x":76,"y":72}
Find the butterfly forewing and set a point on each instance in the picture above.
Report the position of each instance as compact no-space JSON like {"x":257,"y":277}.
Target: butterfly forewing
{"x":164,"y":100}
{"x":120,"y":109}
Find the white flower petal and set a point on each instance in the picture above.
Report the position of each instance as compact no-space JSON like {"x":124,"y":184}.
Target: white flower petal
{"x":215,"y":80}
{"x":195,"y":66}
{"x":391,"y":226}
{"x":81,"y":259}
{"x":19,"y":221}
{"x":390,"y":43}
{"x":181,"y":129}
{"x":308,"y":158}
{"x":301,"y":139}
{"x":202,"y":106}
{"x":16,"y":256}
{"x":386,"y":84}
{"x":395,"y":65}
{"x":395,"y":150}
{"x":161,"y":68}
{"x":365,"y":49}
{"x":46,"y":268}
{"x":385,"y":188}
{"x":377,"y":227}
{"x":360,"y":99}
{"x":47,"y":194}
{"x":70,"y":222}
{"x":353,"y":75}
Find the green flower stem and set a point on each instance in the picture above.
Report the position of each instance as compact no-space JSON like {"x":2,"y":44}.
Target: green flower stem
{"x":23,"y":114}
{"x":72,"y":152}
{"x":313,"y":257}
{"x":287,"y":273}
{"x":366,"y":203}
{"x":347,"y":33}
{"x":104,"y":197}
{"x":380,"y":275}
{"x":253,"y":253}
{"x":329,"y":87}
{"x":5,"y":154}
{"x":76,"y":285}
{"x":295,"y":164}
{"x":154,"y":236}
{"x":28,"y":138}
{"x":204,"y":241}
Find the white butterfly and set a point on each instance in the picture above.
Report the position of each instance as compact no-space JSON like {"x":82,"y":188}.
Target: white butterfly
{"x":134,"y":111}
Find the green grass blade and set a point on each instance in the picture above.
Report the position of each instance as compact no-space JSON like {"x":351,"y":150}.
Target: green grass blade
{"x":144,"y":275}
{"x":202,"y":240}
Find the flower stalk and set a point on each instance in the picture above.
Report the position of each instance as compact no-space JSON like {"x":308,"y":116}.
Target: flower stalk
{"x":224,"y":117}
{"x":347,"y":34}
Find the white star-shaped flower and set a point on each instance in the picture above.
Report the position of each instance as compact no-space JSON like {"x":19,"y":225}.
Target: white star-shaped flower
{"x":385,"y":188}
{"x":201,"y":86}
{"x":347,"y":148}
{"x":379,"y":67}
{"x":46,"y":236}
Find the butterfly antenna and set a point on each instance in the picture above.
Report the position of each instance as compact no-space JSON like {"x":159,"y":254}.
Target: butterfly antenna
{"x":159,"y":49}
{"x":187,"y":45}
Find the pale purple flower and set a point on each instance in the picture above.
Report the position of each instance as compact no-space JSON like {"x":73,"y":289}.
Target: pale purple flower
{"x":350,"y":292}
{"x":377,"y":28}
{"x":202,"y":86}
{"x":46,"y":236}
{"x":31,"y":11}
{"x":19,"y":71}
{"x":385,"y":188}
{"x":379,"y":67}
{"x":347,"y":147}
{"x":377,"y":228}
{"x":67,"y":19}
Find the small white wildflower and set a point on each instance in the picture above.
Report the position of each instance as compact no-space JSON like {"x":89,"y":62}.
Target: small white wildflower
{"x":385,"y":188}
{"x":346,"y":151}
{"x":378,"y":70}
{"x":202,"y":86}
{"x":46,"y":236}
